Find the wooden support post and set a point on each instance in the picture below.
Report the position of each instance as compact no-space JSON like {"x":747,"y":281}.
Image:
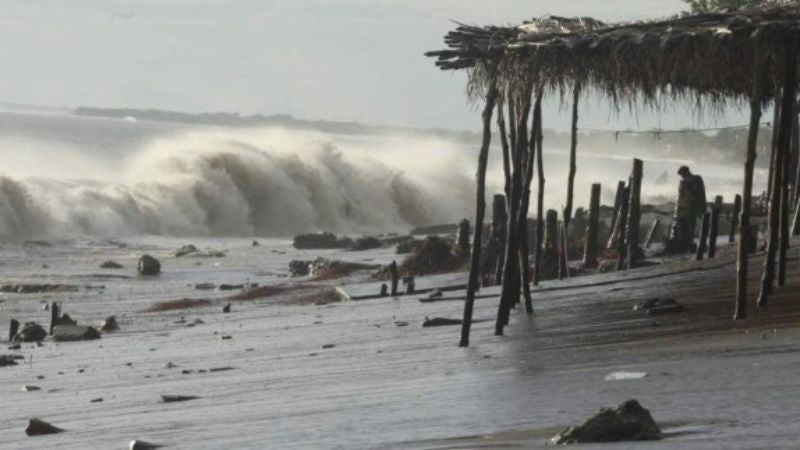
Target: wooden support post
{"x":480,"y":210}
{"x":534,"y":146}
{"x":702,"y":246}
{"x":634,"y":214}
{"x":395,"y":277}
{"x":384,"y":290}
{"x":55,"y":313}
{"x":537,"y":274}
{"x":13,"y":327}
{"x":612,"y":241}
{"x":622,"y":220}
{"x":499,"y":236}
{"x":737,"y":208}
{"x":714,"y":232}
{"x":785,"y":211}
{"x":573,"y":166}
{"x":563,"y":256}
{"x":590,"y":249}
{"x":746,"y":239}
{"x":410,"y":286}
{"x":652,"y":233}
{"x":463,"y":240}
{"x":778,"y":221}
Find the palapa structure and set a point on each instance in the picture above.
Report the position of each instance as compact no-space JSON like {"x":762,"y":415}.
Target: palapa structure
{"x":714,"y":61}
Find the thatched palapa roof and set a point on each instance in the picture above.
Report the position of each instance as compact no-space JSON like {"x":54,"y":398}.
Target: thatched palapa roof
{"x":709,"y":58}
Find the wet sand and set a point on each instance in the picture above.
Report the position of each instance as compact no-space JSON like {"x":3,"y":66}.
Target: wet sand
{"x":711,"y":381}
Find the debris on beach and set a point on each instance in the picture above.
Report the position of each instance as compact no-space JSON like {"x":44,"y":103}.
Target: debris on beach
{"x":8,"y":360}
{"x":31,"y":332}
{"x":38,"y":427}
{"x":440,"y":322}
{"x":621,"y":376}
{"x":365,"y":243}
{"x":185,"y":250}
{"x":111,"y":265}
{"x":110,"y":324}
{"x":37,"y":288}
{"x":321,"y":241}
{"x":184,"y":303}
{"x":191,"y":251}
{"x":325,"y":269}
{"x":627,"y":422}
{"x":30,"y":388}
{"x":142,"y":445}
{"x":167,"y":398}
{"x":148,"y":266}
{"x":658,"y":305}
{"x":68,"y":333}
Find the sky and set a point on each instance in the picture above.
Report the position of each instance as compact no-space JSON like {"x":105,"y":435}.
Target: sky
{"x":359,"y":60}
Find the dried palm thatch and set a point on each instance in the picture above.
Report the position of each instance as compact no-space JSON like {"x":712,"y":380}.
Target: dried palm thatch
{"x":707,"y":58}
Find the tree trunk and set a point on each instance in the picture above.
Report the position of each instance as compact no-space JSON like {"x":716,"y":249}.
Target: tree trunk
{"x":786,"y":206}
{"x":789,"y":89}
{"x":572,"y":156}
{"x":539,"y":212}
{"x":745,"y":233}
{"x":483,"y":158}
{"x":535,"y":140}
{"x":634,"y":214}
{"x":499,"y":235}
{"x":590,"y":249}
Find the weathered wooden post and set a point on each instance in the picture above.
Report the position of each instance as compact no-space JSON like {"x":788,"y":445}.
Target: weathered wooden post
{"x":395,"y":277}
{"x":611,"y":241}
{"x":786,"y":207}
{"x":622,"y":220}
{"x":634,"y":214}
{"x":703,"y":244}
{"x":590,"y":248}
{"x":13,"y":327}
{"x":499,"y":236}
{"x":384,"y":290}
{"x":55,"y":313}
{"x":652,"y":233}
{"x":746,"y":240}
{"x":789,"y":89}
{"x":410,"y":286}
{"x":737,"y":207}
{"x":463,"y":240}
{"x":714,"y":233}
{"x":480,"y":209}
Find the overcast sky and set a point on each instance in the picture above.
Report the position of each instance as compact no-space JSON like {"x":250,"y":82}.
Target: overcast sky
{"x":319,"y":59}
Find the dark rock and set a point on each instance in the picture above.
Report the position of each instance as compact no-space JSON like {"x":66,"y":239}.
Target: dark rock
{"x":227,"y":308}
{"x":327,"y":346}
{"x":627,"y":422}
{"x":8,"y":360}
{"x":96,"y":400}
{"x":149,"y":266}
{"x":321,"y":241}
{"x":231,"y":287}
{"x":111,"y":265}
{"x":205,"y":286}
{"x":220,"y":369}
{"x":37,"y":427}
{"x":14,"y":347}
{"x":65,"y":319}
{"x":110,"y":324}
{"x":365,"y":243}
{"x":31,"y":332}
{"x":299,"y":268}
{"x":29,"y":388}
{"x":67,"y":333}
{"x":177,"y":398}
{"x":255,"y":244}
{"x":440,"y":322}
{"x":433,"y":255}
{"x":142,"y":445}
{"x":401,"y":323}
{"x":185,"y":250}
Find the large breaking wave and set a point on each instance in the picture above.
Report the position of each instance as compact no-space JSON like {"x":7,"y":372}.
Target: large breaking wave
{"x":242,"y":183}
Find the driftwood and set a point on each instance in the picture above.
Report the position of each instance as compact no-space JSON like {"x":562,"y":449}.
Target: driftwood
{"x":590,"y":248}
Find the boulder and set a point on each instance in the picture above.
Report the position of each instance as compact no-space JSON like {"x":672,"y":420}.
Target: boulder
{"x":65,"y":319}
{"x":185,"y":250}
{"x":136,"y":444}
{"x":8,"y":360}
{"x":31,"y":332}
{"x":149,"y":266}
{"x":38,"y":427}
{"x":66,"y":333}
{"x":110,"y":324}
{"x":321,"y":241}
{"x":627,"y":422}
{"x":111,"y":265}
{"x":365,"y":243}
{"x":299,"y":268}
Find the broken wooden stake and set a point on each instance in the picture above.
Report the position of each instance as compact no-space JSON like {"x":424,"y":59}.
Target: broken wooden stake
{"x":395,"y":277}
{"x":714,"y":232}
{"x":622,"y":219}
{"x":463,"y":240}
{"x":634,"y":214}
{"x":55,"y":313}
{"x":13,"y":327}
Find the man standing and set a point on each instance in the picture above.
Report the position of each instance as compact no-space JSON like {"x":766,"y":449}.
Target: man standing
{"x":690,"y":207}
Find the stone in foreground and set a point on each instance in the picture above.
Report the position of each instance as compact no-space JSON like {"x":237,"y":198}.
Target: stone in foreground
{"x":66,"y":333}
{"x":149,"y":266}
{"x":37,"y":427}
{"x":142,"y":445}
{"x":31,"y":332}
{"x":627,"y":422}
